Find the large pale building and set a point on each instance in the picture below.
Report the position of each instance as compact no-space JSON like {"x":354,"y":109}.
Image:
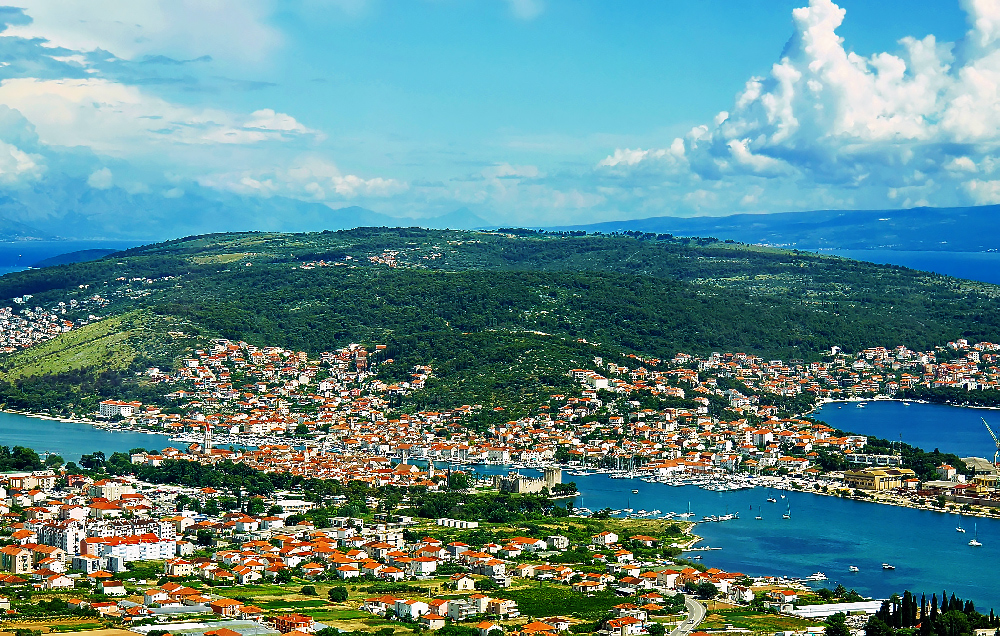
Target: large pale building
{"x":878,"y":479}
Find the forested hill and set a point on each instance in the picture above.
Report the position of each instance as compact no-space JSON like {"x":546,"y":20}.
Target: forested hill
{"x":503,"y":314}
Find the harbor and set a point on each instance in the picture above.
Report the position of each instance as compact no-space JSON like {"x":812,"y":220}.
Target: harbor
{"x":855,"y":543}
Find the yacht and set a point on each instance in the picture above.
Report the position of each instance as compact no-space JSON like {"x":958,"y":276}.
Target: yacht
{"x":816,"y":576}
{"x":635,"y":491}
{"x":975,"y":540}
{"x":853,"y":568}
{"x":886,"y":566}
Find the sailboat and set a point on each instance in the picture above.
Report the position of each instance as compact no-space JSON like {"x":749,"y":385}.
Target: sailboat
{"x":960,"y":528}
{"x":770,"y":497}
{"x":788,"y":513}
{"x":759,"y":516}
{"x":975,"y":541}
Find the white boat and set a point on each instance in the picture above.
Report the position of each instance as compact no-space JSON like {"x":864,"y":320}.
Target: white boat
{"x":816,"y":576}
{"x":853,"y":568}
{"x":975,"y":540}
{"x":886,"y":566}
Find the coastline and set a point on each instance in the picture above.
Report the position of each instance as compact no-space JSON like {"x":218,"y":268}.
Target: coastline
{"x":986,"y":513}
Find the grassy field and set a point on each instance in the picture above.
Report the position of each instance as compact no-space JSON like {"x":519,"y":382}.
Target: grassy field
{"x":112,"y":343}
{"x":757,"y":623}
{"x":538,"y":600}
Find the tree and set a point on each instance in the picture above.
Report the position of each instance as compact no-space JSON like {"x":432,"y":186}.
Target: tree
{"x":54,"y":461}
{"x":706,"y":590}
{"x":953,"y":623}
{"x":836,"y":625}
{"x":877,"y":627}
{"x":204,"y":537}
{"x":656,"y":629}
{"x":458,"y":481}
{"x":338,"y":594}
{"x":93,"y":461}
{"x":284,"y":576}
{"x":309,"y":590}
{"x":301,"y":429}
{"x":256,"y":506}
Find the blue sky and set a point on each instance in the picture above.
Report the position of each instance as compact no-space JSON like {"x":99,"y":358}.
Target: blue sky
{"x":527,"y":112}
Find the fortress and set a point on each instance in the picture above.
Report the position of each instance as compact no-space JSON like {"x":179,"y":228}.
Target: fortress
{"x":518,"y":483}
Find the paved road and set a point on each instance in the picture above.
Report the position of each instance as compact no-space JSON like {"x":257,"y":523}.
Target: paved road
{"x":696,"y":614}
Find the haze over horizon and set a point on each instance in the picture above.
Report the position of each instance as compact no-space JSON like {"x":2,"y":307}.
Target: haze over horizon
{"x":523,"y":112}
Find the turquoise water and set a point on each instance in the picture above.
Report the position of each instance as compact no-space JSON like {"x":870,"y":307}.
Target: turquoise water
{"x":952,"y":429}
{"x":69,"y":439}
{"x":824,"y":534}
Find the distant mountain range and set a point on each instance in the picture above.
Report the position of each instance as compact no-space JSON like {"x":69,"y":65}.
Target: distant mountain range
{"x":71,"y":209}
{"x":970,"y":229}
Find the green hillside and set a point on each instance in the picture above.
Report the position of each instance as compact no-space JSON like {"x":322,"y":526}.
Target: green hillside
{"x":500,"y":316}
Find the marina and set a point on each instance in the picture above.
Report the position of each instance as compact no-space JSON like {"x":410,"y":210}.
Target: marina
{"x":856,"y":543}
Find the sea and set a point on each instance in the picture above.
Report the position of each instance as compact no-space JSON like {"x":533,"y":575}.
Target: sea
{"x":20,"y":255}
{"x":982,"y":266}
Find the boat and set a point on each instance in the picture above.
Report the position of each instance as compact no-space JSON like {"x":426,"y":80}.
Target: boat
{"x":635,"y":491}
{"x":853,"y":568}
{"x":861,"y":405}
{"x":886,"y":566}
{"x":960,"y":528}
{"x":974,"y":542}
{"x":816,"y":576}
{"x":788,"y":513}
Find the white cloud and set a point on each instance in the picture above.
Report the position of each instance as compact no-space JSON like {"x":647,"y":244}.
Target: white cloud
{"x":224,"y":29}
{"x":17,"y":167}
{"x":119,"y":120}
{"x":310,"y":178}
{"x":526,"y":9}
{"x":101,"y":179}
{"x":862,"y":127}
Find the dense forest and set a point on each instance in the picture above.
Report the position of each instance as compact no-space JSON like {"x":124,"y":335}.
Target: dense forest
{"x":501,"y":316}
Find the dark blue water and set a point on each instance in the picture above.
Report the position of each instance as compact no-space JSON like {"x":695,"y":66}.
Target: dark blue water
{"x":951,"y":429}
{"x":20,"y":255}
{"x":982,"y":266}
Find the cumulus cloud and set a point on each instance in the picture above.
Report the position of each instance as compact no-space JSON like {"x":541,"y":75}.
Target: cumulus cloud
{"x":225,"y":29}
{"x":826,"y":122}
{"x":101,"y":179}
{"x":310,"y":178}
{"x":119,"y":120}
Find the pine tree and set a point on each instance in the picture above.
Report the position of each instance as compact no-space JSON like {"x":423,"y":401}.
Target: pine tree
{"x":934,"y":607}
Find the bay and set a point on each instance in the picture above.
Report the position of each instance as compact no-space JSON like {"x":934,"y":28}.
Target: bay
{"x":16,"y":256}
{"x":72,"y":439}
{"x":981,"y":266}
{"x":952,"y":429}
{"x":825,"y":534}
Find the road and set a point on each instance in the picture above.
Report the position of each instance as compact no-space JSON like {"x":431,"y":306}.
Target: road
{"x":696,"y":614}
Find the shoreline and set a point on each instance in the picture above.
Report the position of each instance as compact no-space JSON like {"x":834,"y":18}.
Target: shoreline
{"x":986,"y":514}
